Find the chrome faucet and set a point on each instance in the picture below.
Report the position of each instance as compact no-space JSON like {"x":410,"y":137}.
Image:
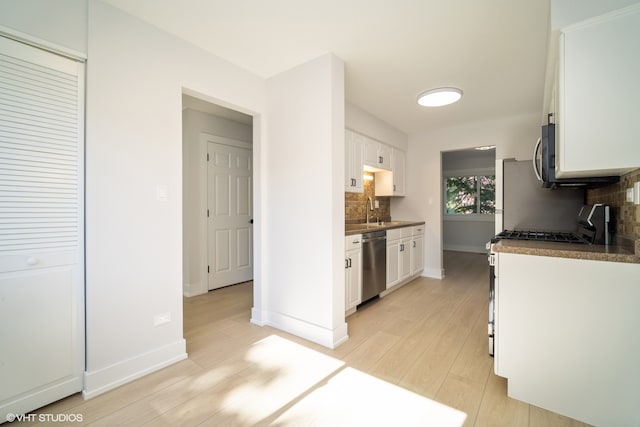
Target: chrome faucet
{"x":368,"y":206}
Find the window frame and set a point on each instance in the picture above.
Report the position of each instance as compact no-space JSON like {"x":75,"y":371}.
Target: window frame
{"x":465,"y":173}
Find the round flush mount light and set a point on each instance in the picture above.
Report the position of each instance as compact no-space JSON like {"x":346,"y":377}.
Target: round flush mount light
{"x":439,"y":96}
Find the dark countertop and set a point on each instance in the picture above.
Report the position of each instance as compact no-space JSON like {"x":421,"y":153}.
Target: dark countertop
{"x":360,"y":228}
{"x":613,"y":253}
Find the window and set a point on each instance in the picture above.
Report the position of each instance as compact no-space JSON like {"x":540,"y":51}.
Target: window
{"x":472,"y":194}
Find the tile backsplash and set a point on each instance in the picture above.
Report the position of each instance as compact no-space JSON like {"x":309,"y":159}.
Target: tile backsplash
{"x":627,"y":215}
{"x":356,"y":204}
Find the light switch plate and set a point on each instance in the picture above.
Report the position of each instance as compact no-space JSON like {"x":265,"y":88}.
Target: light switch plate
{"x":162,"y":193}
{"x":630,"y":195}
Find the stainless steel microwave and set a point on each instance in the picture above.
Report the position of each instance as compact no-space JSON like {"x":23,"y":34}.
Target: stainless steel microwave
{"x":544,"y":165}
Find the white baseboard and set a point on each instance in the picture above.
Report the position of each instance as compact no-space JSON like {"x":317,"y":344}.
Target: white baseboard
{"x":325,"y":337}
{"x":193,"y":289}
{"x":105,"y":379}
{"x":257,"y":316}
{"x":433,"y":273}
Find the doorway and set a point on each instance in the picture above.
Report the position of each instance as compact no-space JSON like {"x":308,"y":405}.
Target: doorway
{"x":468,"y":211}
{"x":212,"y":244}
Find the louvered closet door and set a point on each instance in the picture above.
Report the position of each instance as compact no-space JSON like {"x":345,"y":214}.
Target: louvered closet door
{"x":41,"y":227}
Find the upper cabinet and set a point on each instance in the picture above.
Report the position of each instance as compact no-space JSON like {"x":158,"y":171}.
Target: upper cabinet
{"x":388,"y":164}
{"x":392,"y":183}
{"x":596,"y":96}
{"x":353,"y":162}
{"x":398,"y":160}
{"x":377,"y":154}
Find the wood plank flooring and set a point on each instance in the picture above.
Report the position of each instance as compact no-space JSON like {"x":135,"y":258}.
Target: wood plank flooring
{"x":415,"y":357}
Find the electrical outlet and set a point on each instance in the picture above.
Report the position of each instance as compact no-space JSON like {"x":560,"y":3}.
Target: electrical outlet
{"x":161,"y":319}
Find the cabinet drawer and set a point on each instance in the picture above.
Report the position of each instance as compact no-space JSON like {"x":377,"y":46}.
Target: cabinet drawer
{"x":353,"y":242}
{"x":394,"y":234}
{"x":418,"y":230}
{"x":406,"y":231}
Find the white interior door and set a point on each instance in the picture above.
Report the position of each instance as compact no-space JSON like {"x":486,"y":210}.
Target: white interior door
{"x":41,"y":227}
{"x":229,"y":222}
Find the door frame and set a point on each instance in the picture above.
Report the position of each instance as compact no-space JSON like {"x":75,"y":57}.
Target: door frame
{"x":205,"y":138}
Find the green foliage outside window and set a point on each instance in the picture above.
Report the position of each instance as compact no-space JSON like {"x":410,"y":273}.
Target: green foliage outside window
{"x":471,"y":195}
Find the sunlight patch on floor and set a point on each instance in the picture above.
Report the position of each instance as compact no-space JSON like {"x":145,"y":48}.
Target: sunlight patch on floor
{"x":281,"y":371}
{"x":354,"y":398}
{"x":293,"y":385}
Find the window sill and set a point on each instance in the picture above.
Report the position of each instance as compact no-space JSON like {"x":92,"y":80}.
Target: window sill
{"x":470,"y":217}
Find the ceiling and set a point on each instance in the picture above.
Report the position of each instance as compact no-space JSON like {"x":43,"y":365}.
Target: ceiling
{"x":494,"y":50}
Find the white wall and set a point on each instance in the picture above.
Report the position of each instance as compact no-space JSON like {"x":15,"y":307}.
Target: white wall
{"x":136,"y":75}
{"x":194,"y":174}
{"x":62,"y":22}
{"x":365,"y":123}
{"x":513,"y":136}
{"x":305,"y":207}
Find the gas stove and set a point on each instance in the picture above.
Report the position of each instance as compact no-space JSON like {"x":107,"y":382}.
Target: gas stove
{"x":592,"y":227}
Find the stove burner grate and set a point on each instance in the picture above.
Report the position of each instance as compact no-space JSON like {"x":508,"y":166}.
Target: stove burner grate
{"x":545,"y":236}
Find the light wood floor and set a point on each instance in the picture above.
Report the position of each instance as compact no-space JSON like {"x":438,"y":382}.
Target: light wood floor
{"x":416,"y":357}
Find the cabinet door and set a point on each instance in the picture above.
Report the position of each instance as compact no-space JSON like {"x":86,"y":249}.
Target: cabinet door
{"x":353,"y":161}
{"x":398,"y":168}
{"x":405,"y":258}
{"x":384,"y":156}
{"x":393,"y":257}
{"x":370,"y":152}
{"x":417,"y":260}
{"x":598,"y":129}
{"x":353,"y":286}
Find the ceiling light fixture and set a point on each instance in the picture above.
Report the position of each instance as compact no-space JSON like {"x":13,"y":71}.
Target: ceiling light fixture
{"x":439,"y":96}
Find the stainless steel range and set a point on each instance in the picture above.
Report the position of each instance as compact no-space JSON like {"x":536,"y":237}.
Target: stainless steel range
{"x":593,"y":226}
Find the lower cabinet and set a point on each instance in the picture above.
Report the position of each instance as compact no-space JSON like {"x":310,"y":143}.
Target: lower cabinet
{"x":417,"y":249}
{"x":353,"y":272}
{"x":404,"y":254}
{"x":567,"y":336}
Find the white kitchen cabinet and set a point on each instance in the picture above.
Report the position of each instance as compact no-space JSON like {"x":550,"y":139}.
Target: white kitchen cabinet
{"x":391,"y":183}
{"x":597,"y":130}
{"x":405,"y":258}
{"x":393,"y":255}
{"x":377,"y":154}
{"x":398,"y":161}
{"x":417,"y":249}
{"x":353,"y":272}
{"x":398,"y":255}
{"x":353,"y":162}
{"x":567,"y":336}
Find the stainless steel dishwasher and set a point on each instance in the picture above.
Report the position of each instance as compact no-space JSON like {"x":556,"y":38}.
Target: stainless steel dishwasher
{"x":374,"y":263}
